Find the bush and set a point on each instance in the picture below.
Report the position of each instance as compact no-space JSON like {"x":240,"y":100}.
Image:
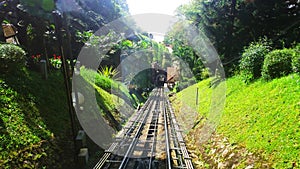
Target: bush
{"x":296,"y":59}
{"x":103,"y":82}
{"x":278,"y":63}
{"x":108,"y":71}
{"x":252,"y":60}
{"x":11,"y":56}
{"x":205,"y":73}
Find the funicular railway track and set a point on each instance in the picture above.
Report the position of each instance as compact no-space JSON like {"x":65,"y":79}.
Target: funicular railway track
{"x":150,"y":139}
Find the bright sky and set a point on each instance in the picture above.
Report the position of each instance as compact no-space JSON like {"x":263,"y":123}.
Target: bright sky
{"x":166,"y":7}
{"x":154,"y":6}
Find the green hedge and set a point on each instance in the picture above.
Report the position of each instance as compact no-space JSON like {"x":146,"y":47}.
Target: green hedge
{"x":278,"y":63}
{"x":296,"y":59}
{"x":252,"y":60}
{"x":11,"y":56}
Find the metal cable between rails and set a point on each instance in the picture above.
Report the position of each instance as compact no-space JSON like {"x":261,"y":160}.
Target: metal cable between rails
{"x":133,"y":118}
{"x":139,"y":139}
{"x":135,"y":139}
{"x":154,"y":137}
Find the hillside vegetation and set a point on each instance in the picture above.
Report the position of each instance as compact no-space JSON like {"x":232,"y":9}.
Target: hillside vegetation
{"x":35,"y":127}
{"x":262,"y":116}
{"x":34,"y":120}
{"x":111,"y":96}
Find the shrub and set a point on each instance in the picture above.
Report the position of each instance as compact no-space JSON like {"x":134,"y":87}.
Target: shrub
{"x":205,"y":73}
{"x":11,"y":56}
{"x":296,"y":59}
{"x":108,"y":71}
{"x":103,"y":82}
{"x":252,"y":60}
{"x":278,"y":63}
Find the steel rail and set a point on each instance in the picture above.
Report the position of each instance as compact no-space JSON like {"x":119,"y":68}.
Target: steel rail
{"x":130,"y":137}
{"x":184,"y":153}
{"x":107,"y":154}
{"x":155,"y":135}
{"x":167,"y":138}
{"x":179,"y":159}
{"x":134,"y":141}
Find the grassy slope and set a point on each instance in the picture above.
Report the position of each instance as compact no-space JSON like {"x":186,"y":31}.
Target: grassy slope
{"x":266,"y":117}
{"x":34,"y":120}
{"x":111,"y":95}
{"x":112,"y":99}
{"x":262,"y":116}
{"x":108,"y":85}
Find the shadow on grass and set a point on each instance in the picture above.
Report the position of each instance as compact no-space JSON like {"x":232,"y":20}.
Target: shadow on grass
{"x":45,"y":99}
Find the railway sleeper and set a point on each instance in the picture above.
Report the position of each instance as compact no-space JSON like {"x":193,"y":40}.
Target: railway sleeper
{"x":152,"y":129}
{"x":145,"y":141}
{"x":176,"y":148}
{"x":113,"y":161}
{"x":142,"y":149}
{"x":156,"y":124}
{"x":144,"y":164}
{"x":180,"y":167}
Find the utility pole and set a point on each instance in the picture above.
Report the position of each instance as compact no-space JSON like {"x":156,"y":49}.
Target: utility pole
{"x":58,"y":26}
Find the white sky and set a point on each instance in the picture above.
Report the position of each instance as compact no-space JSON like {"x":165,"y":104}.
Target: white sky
{"x":166,"y":7}
{"x":154,"y":6}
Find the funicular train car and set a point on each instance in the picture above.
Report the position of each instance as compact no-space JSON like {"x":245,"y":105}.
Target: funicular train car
{"x":172,"y":77}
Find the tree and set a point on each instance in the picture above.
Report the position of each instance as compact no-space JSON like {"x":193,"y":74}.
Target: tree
{"x":182,"y":49}
{"x":232,"y":24}
{"x":36,"y":28}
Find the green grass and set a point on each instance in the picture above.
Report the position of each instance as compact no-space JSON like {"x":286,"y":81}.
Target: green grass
{"x":34,"y":120}
{"x":109,"y":85}
{"x":112,"y":99}
{"x":266,"y":117}
{"x":262,"y":116}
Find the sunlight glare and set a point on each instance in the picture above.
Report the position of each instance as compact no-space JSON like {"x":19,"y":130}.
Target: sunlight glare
{"x":154,"y":6}
{"x":164,"y":7}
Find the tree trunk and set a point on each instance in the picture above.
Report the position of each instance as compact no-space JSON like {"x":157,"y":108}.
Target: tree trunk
{"x":230,"y":41}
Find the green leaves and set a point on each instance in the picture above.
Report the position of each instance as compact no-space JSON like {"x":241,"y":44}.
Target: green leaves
{"x":48,"y":5}
{"x":32,"y":110}
{"x":296,"y":59}
{"x":39,"y":8}
{"x":252,"y":60}
{"x":127,"y":44}
{"x":278,"y":63}
{"x":17,"y":133}
{"x":144,"y":44}
{"x":11,"y":56}
{"x":11,"y":52}
{"x":84,"y":36}
{"x":177,"y":38}
{"x":108,"y":71}
{"x":231,"y":25}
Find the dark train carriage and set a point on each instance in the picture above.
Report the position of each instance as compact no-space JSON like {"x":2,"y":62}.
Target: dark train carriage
{"x":160,"y":77}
